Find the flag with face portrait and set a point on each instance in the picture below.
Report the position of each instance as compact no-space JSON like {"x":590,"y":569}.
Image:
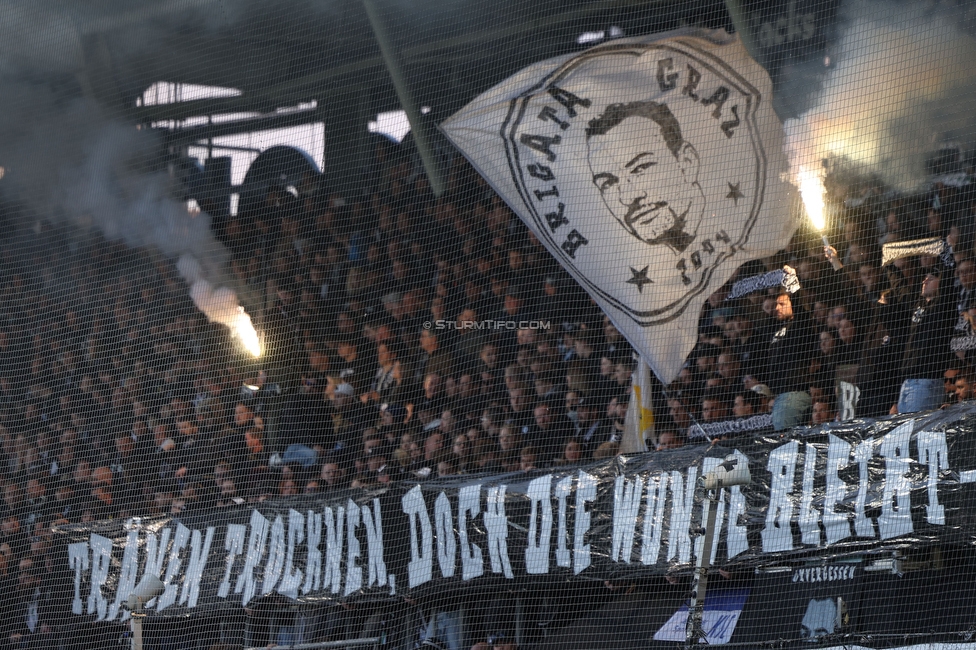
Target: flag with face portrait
{"x":651,"y":168}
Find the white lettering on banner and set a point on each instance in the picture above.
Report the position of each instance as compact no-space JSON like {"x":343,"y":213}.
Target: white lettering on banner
{"x":469,"y":503}
{"x":199,"y":554}
{"x":585,"y":493}
{"x":127,"y":575}
{"x":849,"y":396}
{"x":101,"y":548}
{"x":863,"y":526}
{"x":836,"y":525}
{"x":933,"y":452}
{"x":657,"y":496}
{"x":246,"y":585}
{"x":809,"y":517}
{"x":736,"y":541}
{"x":777,"y":536}
{"x":275,"y":565}
{"x":334,"y":522}
{"x":824,"y":573}
{"x":682,"y":502}
{"x":354,"y":572}
{"x":78,"y":562}
{"x":344,"y":545}
{"x":168,"y":597}
{"x":313,"y":561}
{"x":496,"y":525}
{"x":292,"y":577}
{"x":420,"y":569}
{"x":896,"y":504}
{"x":563,"y":556}
{"x":444,"y":532}
{"x":374,"y":544}
{"x":234,"y":545}
{"x":540,"y":525}
{"x":626,"y":504}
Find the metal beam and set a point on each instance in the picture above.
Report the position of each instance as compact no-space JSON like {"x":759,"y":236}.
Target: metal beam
{"x":375,"y":641}
{"x":435,"y":175}
{"x":192,"y":134}
{"x":226,"y":147}
{"x":198,"y":107}
{"x":310,"y":86}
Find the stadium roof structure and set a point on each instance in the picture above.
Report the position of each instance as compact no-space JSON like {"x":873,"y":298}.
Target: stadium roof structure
{"x":342,"y":61}
{"x":283,"y":53}
{"x":352,"y":58}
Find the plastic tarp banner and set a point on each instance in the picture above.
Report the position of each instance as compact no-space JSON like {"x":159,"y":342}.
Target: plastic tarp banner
{"x":856,"y":487}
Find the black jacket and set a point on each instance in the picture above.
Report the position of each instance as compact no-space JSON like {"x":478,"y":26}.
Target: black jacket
{"x":927,"y":351}
{"x":791,"y":347}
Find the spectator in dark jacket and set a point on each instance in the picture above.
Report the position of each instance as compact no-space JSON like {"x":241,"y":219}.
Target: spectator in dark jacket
{"x":793,"y":343}
{"x":927,"y":351}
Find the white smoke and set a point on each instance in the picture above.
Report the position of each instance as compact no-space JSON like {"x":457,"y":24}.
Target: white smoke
{"x":904,"y":80}
{"x":66,"y":158}
{"x":89,"y":171}
{"x":139,"y":208}
{"x":220,"y":305}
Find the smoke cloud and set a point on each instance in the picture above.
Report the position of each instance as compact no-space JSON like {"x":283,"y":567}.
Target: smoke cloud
{"x":902,"y":82}
{"x":66,"y":161}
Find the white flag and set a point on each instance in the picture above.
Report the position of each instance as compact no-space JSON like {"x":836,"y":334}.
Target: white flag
{"x":639,"y":423}
{"x":651,"y":168}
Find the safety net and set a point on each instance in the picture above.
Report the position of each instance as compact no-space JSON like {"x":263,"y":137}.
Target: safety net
{"x":563,"y":324}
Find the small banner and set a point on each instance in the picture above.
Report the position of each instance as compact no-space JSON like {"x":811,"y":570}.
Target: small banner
{"x":649,"y":167}
{"x":726,"y":428}
{"x":785,"y":278}
{"x":934,"y":246}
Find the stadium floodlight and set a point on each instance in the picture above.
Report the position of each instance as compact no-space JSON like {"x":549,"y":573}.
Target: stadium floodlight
{"x":148,"y":588}
{"x":732,"y":472}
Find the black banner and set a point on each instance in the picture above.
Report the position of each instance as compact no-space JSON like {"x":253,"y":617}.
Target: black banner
{"x":852,"y":487}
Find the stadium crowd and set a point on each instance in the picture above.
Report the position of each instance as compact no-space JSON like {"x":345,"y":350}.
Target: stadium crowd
{"x":118,"y":398}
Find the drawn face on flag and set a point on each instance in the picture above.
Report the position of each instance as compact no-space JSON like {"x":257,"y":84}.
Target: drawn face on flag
{"x":647,"y":175}
{"x":649,"y":168}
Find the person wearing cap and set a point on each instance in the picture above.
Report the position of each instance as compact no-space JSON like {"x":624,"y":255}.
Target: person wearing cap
{"x":927,"y":351}
{"x":352,"y":367}
{"x":793,"y":343}
{"x":591,"y":429}
{"x":350,"y":415}
{"x":747,"y":403}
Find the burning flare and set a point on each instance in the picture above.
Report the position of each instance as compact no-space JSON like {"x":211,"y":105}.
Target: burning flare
{"x":812,"y":192}
{"x":219,"y":305}
{"x":242,"y":328}
{"x":902,"y":81}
